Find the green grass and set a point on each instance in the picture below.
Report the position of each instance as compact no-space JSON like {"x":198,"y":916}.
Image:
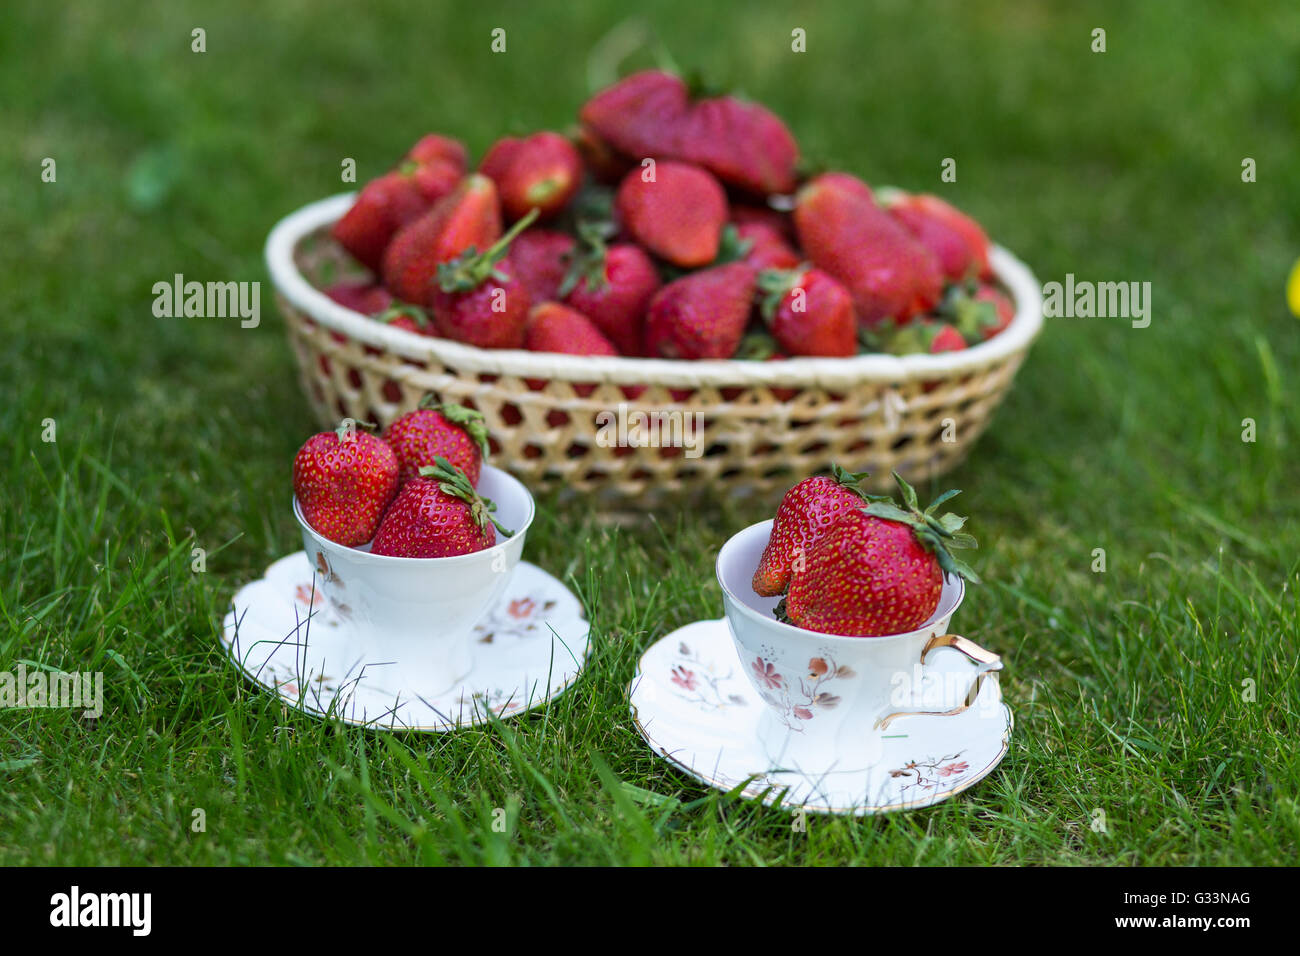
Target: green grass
{"x":178,"y":433}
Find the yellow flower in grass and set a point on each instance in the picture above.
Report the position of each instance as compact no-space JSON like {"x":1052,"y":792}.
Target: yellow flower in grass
{"x":1293,"y":290}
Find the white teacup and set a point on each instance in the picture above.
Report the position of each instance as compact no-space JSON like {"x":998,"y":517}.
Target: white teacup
{"x":413,"y":618}
{"x":831,"y":699}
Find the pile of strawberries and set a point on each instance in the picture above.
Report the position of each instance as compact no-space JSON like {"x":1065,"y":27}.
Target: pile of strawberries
{"x":411,"y":493}
{"x":859,"y":565}
{"x":670,"y":225}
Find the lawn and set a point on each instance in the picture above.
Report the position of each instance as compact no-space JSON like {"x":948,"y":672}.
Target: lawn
{"x":1162,"y":692}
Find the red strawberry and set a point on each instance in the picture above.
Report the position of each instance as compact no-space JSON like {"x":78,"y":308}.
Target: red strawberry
{"x":412,"y":318}
{"x":437,"y":514}
{"x":767,"y":249}
{"x":613,"y":287}
{"x":701,"y":315}
{"x":435,"y":430}
{"x":926,"y":337}
{"x":468,"y":218}
{"x":809,"y":313}
{"x":541,"y":172}
{"x":955,"y":239}
{"x":432,"y":148}
{"x":606,"y":164}
{"x":364,"y":297}
{"x":806,"y":512}
{"x":877,"y":571}
{"x":541,"y":259}
{"x":383,"y":206}
{"x":557,"y":328}
{"x":888,"y":273}
{"x":989,"y":312}
{"x":678,"y":215}
{"x":743,"y":144}
{"x":744,"y":214}
{"x":477,"y":299}
{"x":640,"y":115}
{"x":344,"y":479}
{"x":651,"y":114}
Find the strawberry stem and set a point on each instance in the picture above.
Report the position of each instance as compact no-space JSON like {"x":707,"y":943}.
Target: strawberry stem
{"x":472,"y":268}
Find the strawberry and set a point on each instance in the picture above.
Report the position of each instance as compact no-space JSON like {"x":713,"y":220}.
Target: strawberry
{"x":437,"y":514}
{"x":888,"y":273}
{"x":926,"y":337}
{"x":743,"y":144}
{"x":541,"y":259}
{"x":745,"y":214}
{"x":364,"y":297}
{"x":767,"y":249}
{"x":412,"y":318}
{"x":701,"y":315}
{"x":985,"y":313}
{"x":805,"y":513}
{"x":432,"y":148}
{"x":541,"y":172}
{"x":652,"y":114}
{"x":557,"y":328}
{"x":808,"y":312}
{"x":613,"y":287}
{"x":478,"y":300}
{"x":606,"y":164}
{"x":383,"y":206}
{"x":956,"y":240}
{"x":469,"y":217}
{"x":678,"y":215}
{"x":343,"y":480}
{"x":640,"y":115}
{"x":878,"y":570}
{"x":435,"y":430}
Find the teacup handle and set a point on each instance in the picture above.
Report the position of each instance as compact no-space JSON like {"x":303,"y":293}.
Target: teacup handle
{"x":989,"y":664}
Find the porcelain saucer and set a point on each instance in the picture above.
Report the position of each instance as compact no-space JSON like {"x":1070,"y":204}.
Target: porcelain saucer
{"x":693,"y":705}
{"x":527,"y":650}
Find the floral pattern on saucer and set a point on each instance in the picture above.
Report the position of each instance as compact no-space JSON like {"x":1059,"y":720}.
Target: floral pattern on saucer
{"x":285,"y":638}
{"x":696,"y":707}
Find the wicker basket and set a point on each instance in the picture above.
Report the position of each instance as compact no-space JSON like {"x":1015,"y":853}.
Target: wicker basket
{"x":554,"y":418}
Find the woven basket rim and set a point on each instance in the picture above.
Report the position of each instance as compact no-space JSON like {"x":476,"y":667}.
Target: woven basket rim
{"x":794,"y":372}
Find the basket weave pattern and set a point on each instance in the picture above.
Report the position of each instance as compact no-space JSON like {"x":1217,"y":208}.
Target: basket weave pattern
{"x":756,"y":436}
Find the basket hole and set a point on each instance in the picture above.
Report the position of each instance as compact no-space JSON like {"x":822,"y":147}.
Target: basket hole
{"x":556,"y":418}
{"x":511,"y":415}
{"x":392,"y":391}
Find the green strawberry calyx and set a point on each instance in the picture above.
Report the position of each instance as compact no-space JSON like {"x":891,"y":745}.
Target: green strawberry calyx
{"x":852,"y":480}
{"x":587,"y":262}
{"x":472,"y":268}
{"x":399,"y":309}
{"x":936,"y":534}
{"x":473,"y":422}
{"x":456,"y":483}
{"x":347,"y":429}
{"x":971,"y":316}
{"x":731,"y":248}
{"x":775,"y":285}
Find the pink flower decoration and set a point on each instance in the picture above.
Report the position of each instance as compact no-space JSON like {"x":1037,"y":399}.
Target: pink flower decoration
{"x":306,"y":595}
{"x":952,"y":769}
{"x":521,"y":607}
{"x":803,"y":713}
{"x":683,"y":678}
{"x":767,"y":674}
{"x":817,"y":667}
